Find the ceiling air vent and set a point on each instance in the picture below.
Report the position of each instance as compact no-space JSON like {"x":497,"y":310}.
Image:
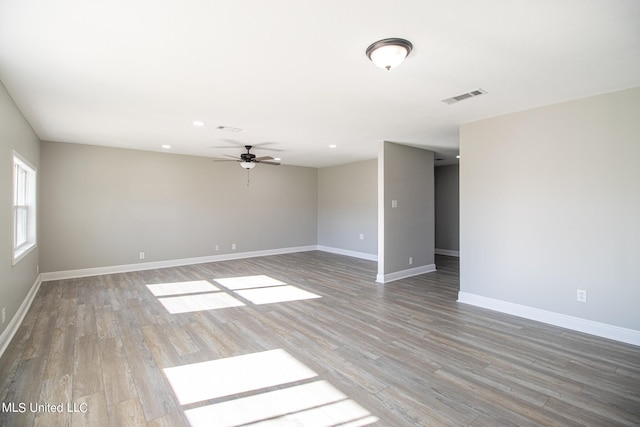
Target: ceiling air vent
{"x":464,"y":96}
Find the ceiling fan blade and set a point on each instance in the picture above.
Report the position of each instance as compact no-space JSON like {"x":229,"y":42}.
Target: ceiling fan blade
{"x":264,"y":146}
{"x":224,"y":160}
{"x":259,"y":159}
{"x":233,"y":157}
{"x":232,"y":141}
{"x":262,"y":162}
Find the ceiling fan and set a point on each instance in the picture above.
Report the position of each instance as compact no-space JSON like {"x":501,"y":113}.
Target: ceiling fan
{"x":249,"y":160}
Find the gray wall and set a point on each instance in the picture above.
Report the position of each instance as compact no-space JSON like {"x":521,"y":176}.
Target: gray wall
{"x":447,"y":208}
{"x":15,"y":134}
{"x":348,"y":207}
{"x":102,"y":206}
{"x":550,"y":203}
{"x":406,"y":175}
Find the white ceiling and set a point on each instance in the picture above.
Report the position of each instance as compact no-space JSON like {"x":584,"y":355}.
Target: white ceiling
{"x":293,"y":74}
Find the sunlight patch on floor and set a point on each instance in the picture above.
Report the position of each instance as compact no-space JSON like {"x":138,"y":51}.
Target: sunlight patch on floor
{"x":312,"y":403}
{"x":263,"y":289}
{"x":200,"y":295}
{"x":249,"y":282}
{"x":200,"y":302}
{"x":181,"y":288}
{"x":276,"y":294}
{"x":223,"y":377}
{"x":195,"y":295}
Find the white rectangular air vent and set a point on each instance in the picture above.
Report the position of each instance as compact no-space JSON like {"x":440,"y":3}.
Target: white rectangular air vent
{"x":464,"y":96}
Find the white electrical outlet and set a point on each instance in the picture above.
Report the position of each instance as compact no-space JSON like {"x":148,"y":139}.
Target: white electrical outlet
{"x":233,"y":246}
{"x":410,"y":260}
{"x":394,"y":203}
{"x":4,"y":314}
{"x":141,"y":255}
{"x":361,"y":236}
{"x":581,"y":295}
{"x":217,"y":247}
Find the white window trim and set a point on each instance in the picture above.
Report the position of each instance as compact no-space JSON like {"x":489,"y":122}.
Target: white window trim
{"x":19,"y":252}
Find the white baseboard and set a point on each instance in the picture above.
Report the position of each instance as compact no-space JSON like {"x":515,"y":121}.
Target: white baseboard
{"x":397,"y":275}
{"x":603,"y":330}
{"x":447,"y":252}
{"x":16,"y":320}
{"x":355,"y":254}
{"x":97,"y":271}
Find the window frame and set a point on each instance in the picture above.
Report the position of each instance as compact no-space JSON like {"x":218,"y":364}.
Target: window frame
{"x":24,"y":221}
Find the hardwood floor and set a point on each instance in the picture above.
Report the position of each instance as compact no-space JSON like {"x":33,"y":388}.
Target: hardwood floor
{"x":340,"y":349}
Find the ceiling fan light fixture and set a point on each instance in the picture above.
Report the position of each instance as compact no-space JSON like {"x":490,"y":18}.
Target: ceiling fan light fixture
{"x":248,"y":165}
{"x":389,"y":53}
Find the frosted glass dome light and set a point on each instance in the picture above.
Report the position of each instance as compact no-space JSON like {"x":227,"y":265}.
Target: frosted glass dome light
{"x":389,"y":53}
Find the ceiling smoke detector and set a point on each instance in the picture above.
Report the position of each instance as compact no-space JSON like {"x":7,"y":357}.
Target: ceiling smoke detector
{"x":462,"y":97}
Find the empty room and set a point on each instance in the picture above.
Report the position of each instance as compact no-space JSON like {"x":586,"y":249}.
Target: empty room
{"x":412,"y":213}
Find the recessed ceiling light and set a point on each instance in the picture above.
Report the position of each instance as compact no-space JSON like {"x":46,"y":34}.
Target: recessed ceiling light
{"x":277,"y":159}
{"x":166,"y":146}
{"x":333,"y":146}
{"x":458,"y":156}
{"x":198,"y":123}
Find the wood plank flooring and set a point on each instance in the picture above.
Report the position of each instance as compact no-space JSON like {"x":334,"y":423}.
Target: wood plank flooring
{"x":401,"y":354}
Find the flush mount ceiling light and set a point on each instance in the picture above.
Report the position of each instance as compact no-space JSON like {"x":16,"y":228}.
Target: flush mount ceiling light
{"x":389,"y":53}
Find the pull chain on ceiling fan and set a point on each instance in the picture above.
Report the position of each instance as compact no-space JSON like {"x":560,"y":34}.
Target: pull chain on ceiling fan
{"x":249,"y":160}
